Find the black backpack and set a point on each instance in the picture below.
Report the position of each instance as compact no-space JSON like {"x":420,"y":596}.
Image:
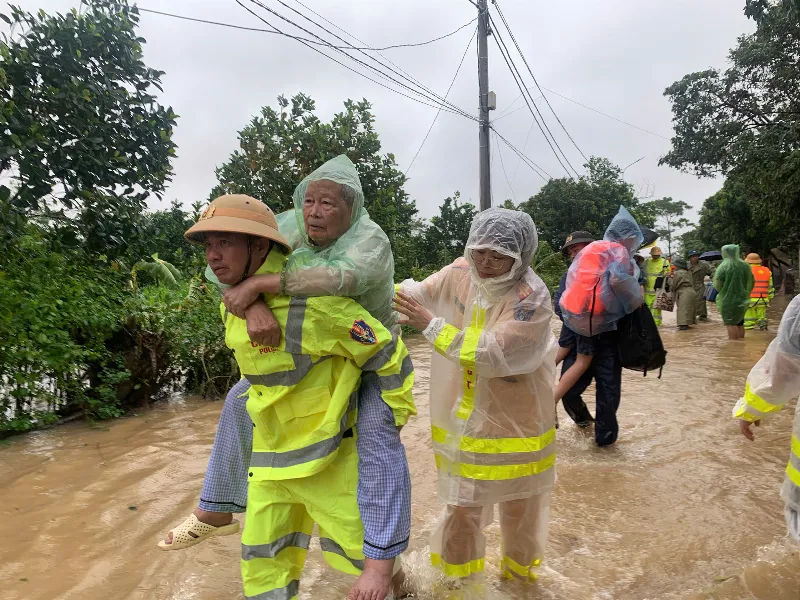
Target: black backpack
{"x":639,"y":343}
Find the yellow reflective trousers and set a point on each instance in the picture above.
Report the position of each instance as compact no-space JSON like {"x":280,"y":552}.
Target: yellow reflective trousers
{"x":280,"y":517}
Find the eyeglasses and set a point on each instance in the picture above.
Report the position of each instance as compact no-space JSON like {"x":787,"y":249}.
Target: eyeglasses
{"x":480,"y":257}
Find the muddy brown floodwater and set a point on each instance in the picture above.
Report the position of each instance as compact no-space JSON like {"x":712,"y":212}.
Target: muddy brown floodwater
{"x":683,"y":507}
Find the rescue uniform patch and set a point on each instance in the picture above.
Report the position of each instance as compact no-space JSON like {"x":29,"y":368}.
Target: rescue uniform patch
{"x":363,"y":333}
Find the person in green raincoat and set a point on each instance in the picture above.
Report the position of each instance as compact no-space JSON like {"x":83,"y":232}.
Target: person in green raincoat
{"x":734,"y":282}
{"x":681,"y":285}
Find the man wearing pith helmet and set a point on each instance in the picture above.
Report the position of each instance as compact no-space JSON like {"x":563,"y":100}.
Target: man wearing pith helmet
{"x":302,"y":400}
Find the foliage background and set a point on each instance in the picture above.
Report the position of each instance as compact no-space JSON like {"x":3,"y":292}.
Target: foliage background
{"x":103,"y":307}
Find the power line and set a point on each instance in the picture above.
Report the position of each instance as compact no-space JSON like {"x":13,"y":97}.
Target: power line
{"x":663,"y":137}
{"x":429,"y":94}
{"x":513,"y":39}
{"x":499,"y":117}
{"x":533,"y":166}
{"x":522,"y":88}
{"x":524,"y":147}
{"x":500,"y":152}
{"x":261,"y":30}
{"x":446,"y":94}
{"x":315,"y":49}
{"x":502,"y":112}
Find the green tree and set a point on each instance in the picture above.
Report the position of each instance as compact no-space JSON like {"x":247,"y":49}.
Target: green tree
{"x":83,"y":141}
{"x":668,"y":214}
{"x":588,"y":203}
{"x":445,"y":238}
{"x":278,"y":149}
{"x":744,"y":122}
{"x":727,"y":218}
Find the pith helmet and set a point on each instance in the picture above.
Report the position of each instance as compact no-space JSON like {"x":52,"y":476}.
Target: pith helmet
{"x":753,"y":259}
{"x":237,"y":213}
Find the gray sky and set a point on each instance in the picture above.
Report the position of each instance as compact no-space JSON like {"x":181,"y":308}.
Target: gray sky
{"x":616,"y":56}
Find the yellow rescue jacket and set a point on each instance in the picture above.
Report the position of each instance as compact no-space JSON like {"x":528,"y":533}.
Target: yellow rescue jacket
{"x":303,"y":394}
{"x":653,"y":269}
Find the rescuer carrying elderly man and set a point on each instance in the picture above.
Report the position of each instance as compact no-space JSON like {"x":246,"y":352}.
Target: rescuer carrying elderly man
{"x":303,"y":403}
{"x":339,"y":251}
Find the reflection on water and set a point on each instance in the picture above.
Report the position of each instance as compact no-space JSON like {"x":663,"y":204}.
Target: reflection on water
{"x":682,"y":508}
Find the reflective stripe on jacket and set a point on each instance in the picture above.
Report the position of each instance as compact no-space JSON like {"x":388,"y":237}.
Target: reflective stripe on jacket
{"x":771,"y":383}
{"x":762,"y":288}
{"x":304,"y":393}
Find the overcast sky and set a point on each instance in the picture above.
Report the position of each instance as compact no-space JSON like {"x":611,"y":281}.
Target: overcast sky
{"x":616,"y":56}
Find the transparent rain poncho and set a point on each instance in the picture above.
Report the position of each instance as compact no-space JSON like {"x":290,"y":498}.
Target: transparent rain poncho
{"x":603,"y":281}
{"x":734,"y":281}
{"x":771,"y":384}
{"x":491,"y":395}
{"x":359,"y":264}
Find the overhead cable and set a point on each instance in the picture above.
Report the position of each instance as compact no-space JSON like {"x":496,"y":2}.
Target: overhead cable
{"x":315,"y":49}
{"x":663,"y":137}
{"x":523,"y":88}
{"x":513,"y":39}
{"x":463,"y":56}
{"x":533,"y":166}
{"x":431,"y":95}
{"x":261,"y":30}
{"x":502,"y":164}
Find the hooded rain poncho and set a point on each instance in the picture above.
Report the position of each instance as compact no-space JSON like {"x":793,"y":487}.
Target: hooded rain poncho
{"x":772,"y":382}
{"x":603,"y":281}
{"x":734,"y":281}
{"x":359,"y":264}
{"x":491,"y":397}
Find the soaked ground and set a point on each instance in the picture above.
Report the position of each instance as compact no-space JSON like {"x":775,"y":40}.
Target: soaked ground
{"x":682,"y":508}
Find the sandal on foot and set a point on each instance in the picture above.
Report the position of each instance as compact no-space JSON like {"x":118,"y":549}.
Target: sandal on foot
{"x":193,"y":531}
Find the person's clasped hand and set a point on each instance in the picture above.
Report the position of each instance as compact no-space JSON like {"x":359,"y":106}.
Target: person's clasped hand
{"x":239,"y":297}
{"x":415,"y":314}
{"x":262,"y":327}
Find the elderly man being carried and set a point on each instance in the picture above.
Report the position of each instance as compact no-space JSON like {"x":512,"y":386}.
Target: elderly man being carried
{"x":339,"y":251}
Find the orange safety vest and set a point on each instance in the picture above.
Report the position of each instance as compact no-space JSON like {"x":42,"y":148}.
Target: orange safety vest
{"x":761,"y":286}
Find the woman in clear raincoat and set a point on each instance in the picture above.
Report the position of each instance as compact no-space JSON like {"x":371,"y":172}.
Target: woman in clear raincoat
{"x":491,"y":399}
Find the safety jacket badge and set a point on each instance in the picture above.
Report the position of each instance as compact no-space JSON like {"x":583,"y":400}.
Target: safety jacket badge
{"x":363,"y":333}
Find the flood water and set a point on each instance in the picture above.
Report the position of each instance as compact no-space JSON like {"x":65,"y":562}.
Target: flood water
{"x":683,"y":507}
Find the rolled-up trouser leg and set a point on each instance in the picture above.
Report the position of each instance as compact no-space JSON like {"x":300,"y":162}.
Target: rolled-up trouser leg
{"x":225,"y":485}
{"x":384,"y":483}
{"x":458,"y":545}
{"x":524,"y":525}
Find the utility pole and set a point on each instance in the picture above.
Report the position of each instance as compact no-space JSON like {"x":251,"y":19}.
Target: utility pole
{"x":483,"y":92}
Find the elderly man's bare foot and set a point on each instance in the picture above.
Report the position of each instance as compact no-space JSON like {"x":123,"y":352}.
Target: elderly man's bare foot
{"x":377,"y":581}
{"x":216,"y":519}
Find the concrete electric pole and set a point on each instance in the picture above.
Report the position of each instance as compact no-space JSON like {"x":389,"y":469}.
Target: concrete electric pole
{"x":483,"y":92}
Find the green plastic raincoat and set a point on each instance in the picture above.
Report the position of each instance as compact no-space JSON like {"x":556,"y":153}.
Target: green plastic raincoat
{"x":734,"y":281}
{"x":359,"y":264}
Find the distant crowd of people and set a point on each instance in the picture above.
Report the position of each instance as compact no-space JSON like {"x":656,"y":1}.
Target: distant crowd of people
{"x":311,"y":434}
{"x":741,"y":288}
